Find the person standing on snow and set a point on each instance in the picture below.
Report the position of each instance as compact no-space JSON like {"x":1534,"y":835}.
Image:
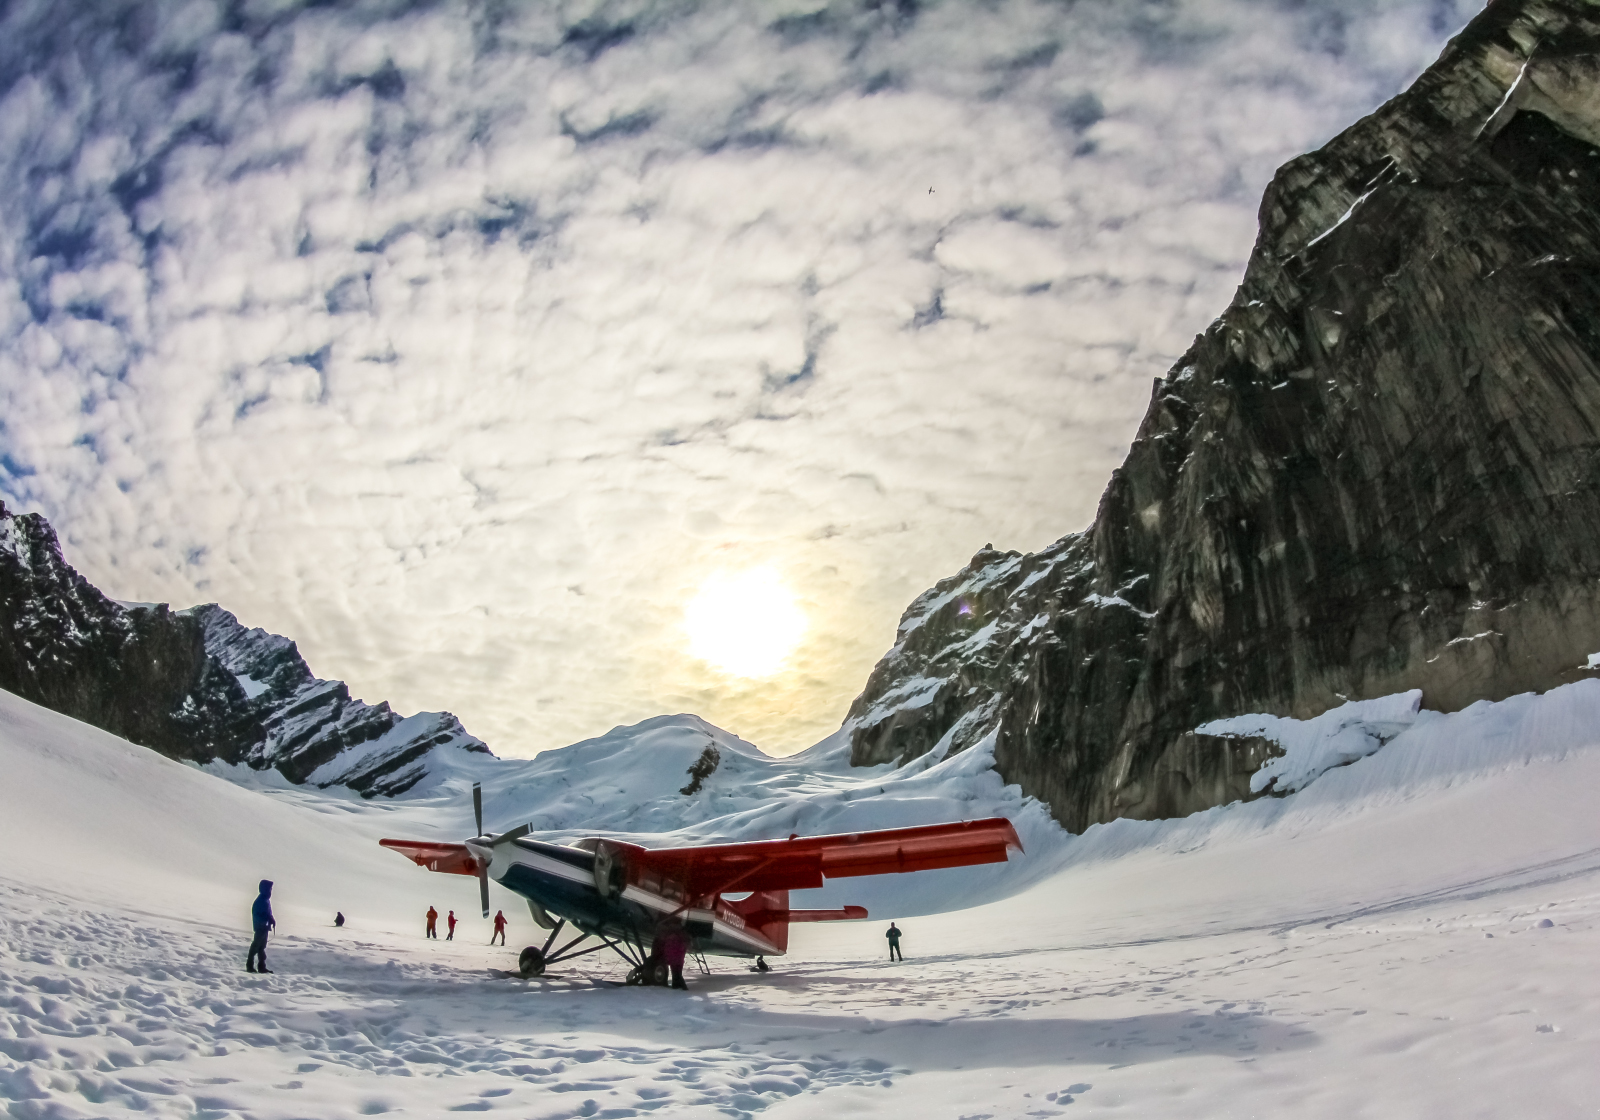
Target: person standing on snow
{"x":338,"y":919}
{"x":433,"y":924}
{"x":499,"y":927}
{"x":450,"y":927}
{"x":674,"y":944}
{"x":261,"y":919}
{"x":893,"y":934}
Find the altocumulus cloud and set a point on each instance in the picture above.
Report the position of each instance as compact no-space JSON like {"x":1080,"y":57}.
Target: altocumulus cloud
{"x":460,"y":341}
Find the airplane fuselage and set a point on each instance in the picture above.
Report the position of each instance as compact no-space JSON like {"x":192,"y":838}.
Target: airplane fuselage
{"x":615,"y":901}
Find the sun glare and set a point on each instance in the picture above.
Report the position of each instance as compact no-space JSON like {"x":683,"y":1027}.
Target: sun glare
{"x":744,"y":623}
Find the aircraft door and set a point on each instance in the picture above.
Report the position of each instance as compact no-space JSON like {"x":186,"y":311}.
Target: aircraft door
{"x":610,"y":871}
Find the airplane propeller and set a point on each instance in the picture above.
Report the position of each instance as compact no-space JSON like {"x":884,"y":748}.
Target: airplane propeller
{"x":492,"y":841}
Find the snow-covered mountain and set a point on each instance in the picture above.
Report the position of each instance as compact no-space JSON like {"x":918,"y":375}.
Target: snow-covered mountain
{"x":674,"y":780}
{"x":1375,"y":472}
{"x":312,"y":731}
{"x":195,"y":684}
{"x":199,"y":687}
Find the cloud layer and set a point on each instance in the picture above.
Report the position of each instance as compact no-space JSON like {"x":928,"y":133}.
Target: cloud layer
{"x":462,"y":341}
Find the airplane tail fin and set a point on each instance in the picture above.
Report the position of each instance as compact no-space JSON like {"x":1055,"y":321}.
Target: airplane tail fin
{"x":769,"y":913}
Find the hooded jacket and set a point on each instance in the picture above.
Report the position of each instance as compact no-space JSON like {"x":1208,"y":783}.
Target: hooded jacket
{"x":261,"y":912}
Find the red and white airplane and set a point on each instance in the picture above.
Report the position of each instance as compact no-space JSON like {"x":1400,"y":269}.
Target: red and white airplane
{"x":622,"y":895}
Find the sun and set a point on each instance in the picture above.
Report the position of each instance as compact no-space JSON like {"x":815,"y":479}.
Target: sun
{"x":744,"y":623}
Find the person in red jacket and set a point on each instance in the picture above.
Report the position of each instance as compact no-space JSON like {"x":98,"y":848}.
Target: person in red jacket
{"x":450,"y":926}
{"x":433,"y":924}
{"x":499,"y":927}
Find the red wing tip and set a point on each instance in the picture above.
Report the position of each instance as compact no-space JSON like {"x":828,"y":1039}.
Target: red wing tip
{"x":1010,"y":830}
{"x":1012,"y":839}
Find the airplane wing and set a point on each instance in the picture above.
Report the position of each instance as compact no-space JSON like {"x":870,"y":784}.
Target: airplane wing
{"x":799,"y":863}
{"x":453,"y":859}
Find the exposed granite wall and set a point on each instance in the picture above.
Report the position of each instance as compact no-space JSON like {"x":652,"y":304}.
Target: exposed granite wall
{"x":1378,"y":470}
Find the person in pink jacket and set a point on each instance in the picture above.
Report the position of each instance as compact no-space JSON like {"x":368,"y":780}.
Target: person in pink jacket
{"x":674,"y":943}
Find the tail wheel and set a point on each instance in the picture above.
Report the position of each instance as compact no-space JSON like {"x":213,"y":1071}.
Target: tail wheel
{"x":531,"y":962}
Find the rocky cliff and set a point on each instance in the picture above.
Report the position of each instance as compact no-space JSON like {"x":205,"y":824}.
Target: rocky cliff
{"x":1378,"y":470}
{"x":195,"y":684}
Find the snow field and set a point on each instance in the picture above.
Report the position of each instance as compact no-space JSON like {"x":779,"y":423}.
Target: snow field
{"x":132,"y":1017}
{"x":1370,"y":946}
{"x":1411,"y":1014}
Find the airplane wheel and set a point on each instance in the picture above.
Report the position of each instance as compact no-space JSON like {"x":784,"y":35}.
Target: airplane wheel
{"x":635,"y":976}
{"x":659,"y":974}
{"x":531,"y":962}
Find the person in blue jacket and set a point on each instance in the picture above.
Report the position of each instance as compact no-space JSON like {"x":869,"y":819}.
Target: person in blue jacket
{"x":261,"y":919}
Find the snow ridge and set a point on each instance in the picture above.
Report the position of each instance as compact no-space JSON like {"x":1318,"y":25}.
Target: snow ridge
{"x":314,"y":731}
{"x":195,"y":684}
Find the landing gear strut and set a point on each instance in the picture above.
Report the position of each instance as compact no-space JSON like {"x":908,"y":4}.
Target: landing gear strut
{"x":644,"y":968}
{"x":534,"y":960}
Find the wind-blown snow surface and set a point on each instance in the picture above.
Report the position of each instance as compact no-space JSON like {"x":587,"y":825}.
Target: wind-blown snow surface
{"x":1412,"y":934}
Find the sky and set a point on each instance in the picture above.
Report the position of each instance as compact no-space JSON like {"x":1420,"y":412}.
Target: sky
{"x":467,"y":344}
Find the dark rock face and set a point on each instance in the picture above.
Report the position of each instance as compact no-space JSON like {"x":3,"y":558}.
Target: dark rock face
{"x":703,"y":768}
{"x":194,"y":685}
{"x":142,"y":674}
{"x":1378,"y":470}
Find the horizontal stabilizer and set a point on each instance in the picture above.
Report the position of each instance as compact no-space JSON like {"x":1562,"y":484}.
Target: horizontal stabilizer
{"x":847,"y":914}
{"x":768,"y":912}
{"x":452,"y":859}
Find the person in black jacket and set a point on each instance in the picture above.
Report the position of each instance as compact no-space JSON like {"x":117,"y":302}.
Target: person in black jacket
{"x":261,"y":919}
{"x":893,"y":934}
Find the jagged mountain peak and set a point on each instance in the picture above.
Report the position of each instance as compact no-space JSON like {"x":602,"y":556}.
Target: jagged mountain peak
{"x":196,"y":684}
